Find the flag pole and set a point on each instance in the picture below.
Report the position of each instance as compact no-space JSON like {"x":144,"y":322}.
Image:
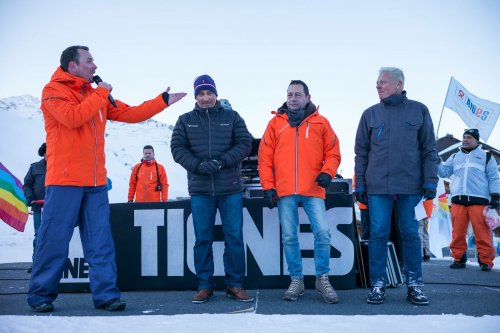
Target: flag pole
{"x":442,"y":110}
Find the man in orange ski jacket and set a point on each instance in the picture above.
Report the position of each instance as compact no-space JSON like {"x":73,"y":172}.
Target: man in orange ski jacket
{"x":148,"y":181}
{"x":299,"y":155}
{"x":75,"y":116}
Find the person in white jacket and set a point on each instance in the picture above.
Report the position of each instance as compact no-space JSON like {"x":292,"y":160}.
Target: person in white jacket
{"x":474,"y":186}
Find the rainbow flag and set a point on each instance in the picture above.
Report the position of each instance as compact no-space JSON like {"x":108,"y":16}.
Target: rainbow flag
{"x":13,"y":209}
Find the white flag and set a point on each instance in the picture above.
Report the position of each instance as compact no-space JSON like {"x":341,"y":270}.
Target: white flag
{"x":474,"y":111}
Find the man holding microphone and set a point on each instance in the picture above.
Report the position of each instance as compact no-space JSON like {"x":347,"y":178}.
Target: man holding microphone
{"x":75,"y":116}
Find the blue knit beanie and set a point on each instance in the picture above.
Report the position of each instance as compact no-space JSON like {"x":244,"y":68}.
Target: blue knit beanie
{"x":204,"y":82}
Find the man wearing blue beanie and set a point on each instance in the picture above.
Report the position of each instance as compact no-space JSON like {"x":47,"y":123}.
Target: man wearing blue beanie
{"x":210,"y":142}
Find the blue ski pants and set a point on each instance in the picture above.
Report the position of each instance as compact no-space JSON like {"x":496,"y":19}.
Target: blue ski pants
{"x":64,"y":206}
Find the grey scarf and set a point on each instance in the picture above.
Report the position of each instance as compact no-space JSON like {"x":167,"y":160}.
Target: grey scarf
{"x":295,"y":116}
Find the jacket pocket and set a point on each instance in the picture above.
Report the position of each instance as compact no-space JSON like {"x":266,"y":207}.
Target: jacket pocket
{"x":377,"y":131}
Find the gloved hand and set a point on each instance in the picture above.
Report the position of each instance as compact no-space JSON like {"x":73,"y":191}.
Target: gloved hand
{"x":131,"y":201}
{"x":271,"y":198}
{"x":428,"y":193}
{"x":495,"y":201}
{"x":362,"y":197}
{"x":29,"y":201}
{"x":209,"y":167}
{"x":323,"y":180}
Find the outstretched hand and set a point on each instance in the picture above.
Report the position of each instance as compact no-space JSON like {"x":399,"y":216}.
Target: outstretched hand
{"x":174,"y":97}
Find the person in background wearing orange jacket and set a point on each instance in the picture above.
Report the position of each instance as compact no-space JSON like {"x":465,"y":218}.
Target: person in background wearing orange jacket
{"x":365,"y":217}
{"x":75,"y":117}
{"x":299,"y":155}
{"x":148,"y":181}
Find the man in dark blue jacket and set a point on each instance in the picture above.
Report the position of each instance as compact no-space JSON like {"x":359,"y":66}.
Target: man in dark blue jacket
{"x":396,"y":155}
{"x":210,"y":142}
{"x":34,"y":189}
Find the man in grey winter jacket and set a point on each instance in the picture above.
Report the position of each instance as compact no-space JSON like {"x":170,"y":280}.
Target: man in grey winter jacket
{"x":395,"y":156}
{"x":475,"y":179}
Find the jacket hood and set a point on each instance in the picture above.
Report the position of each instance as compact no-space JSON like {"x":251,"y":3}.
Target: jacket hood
{"x":395,"y":100}
{"x":66,"y":78}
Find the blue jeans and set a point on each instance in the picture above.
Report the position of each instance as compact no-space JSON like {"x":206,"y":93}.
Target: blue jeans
{"x":289,"y":220}
{"x":204,"y":209}
{"x":64,"y":205}
{"x":380,"y":226}
{"x":37,"y":221}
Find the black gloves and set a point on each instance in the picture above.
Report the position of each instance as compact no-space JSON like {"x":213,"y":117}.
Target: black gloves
{"x":209,"y":167}
{"x":428,"y":193}
{"x":362,"y":197}
{"x":271,"y":198}
{"x":29,"y":201}
{"x":323,"y":180}
{"x":495,"y":201}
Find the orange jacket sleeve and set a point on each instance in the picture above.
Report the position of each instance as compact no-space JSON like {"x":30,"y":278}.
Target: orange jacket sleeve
{"x":266,"y":157}
{"x":67,"y":112}
{"x":132,"y":184}
{"x":135,"y":114}
{"x":163,"y":182}
{"x":331,"y":151}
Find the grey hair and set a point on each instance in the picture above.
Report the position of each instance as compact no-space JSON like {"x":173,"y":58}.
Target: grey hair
{"x":395,"y":73}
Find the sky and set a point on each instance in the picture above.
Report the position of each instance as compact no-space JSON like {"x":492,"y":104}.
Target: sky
{"x":252,"y":49}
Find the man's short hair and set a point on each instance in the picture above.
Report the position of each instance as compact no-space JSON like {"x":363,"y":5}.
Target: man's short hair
{"x":148,"y":147}
{"x":71,"y":54}
{"x":395,"y":73}
{"x":306,"y":88}
{"x":42,"y":150}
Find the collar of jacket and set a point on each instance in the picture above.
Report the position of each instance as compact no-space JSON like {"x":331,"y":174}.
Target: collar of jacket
{"x":395,"y":100}
{"x":71,"y":81}
{"x":310,"y":109}
{"x":213,"y":110}
{"x":153,"y":161}
{"x":463,"y":150}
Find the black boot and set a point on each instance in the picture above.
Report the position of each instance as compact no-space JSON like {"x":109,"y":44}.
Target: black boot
{"x":377,"y":295}
{"x":113,"y":305}
{"x":416,"y":296}
{"x":43,"y":307}
{"x":457,"y":264}
{"x":485,"y":268}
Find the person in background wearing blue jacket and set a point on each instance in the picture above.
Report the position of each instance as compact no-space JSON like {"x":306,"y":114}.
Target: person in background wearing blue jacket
{"x":475,"y":180}
{"x":34,"y":189}
{"x":396,"y":155}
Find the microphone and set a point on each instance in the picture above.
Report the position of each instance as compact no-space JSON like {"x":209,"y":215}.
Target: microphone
{"x":97,"y":80}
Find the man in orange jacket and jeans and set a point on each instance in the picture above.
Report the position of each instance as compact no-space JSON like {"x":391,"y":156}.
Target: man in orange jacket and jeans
{"x":148,"y":181}
{"x":299,"y":155}
{"x":75,"y":116}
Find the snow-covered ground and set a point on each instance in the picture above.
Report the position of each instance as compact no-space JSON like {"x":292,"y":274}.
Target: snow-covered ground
{"x":252,"y":322}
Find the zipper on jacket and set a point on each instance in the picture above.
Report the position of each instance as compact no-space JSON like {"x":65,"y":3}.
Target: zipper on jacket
{"x":307,"y":130}
{"x":146,"y":184}
{"x":465,"y":175}
{"x":95,"y":153}
{"x":210,"y":149}
{"x":297,"y":148}
{"x":380,"y":132}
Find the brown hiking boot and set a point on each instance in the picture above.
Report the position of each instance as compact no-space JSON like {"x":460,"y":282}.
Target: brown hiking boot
{"x":202,"y":296}
{"x":239,"y":293}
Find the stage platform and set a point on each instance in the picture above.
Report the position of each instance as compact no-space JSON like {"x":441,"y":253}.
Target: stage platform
{"x":466,"y":291}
